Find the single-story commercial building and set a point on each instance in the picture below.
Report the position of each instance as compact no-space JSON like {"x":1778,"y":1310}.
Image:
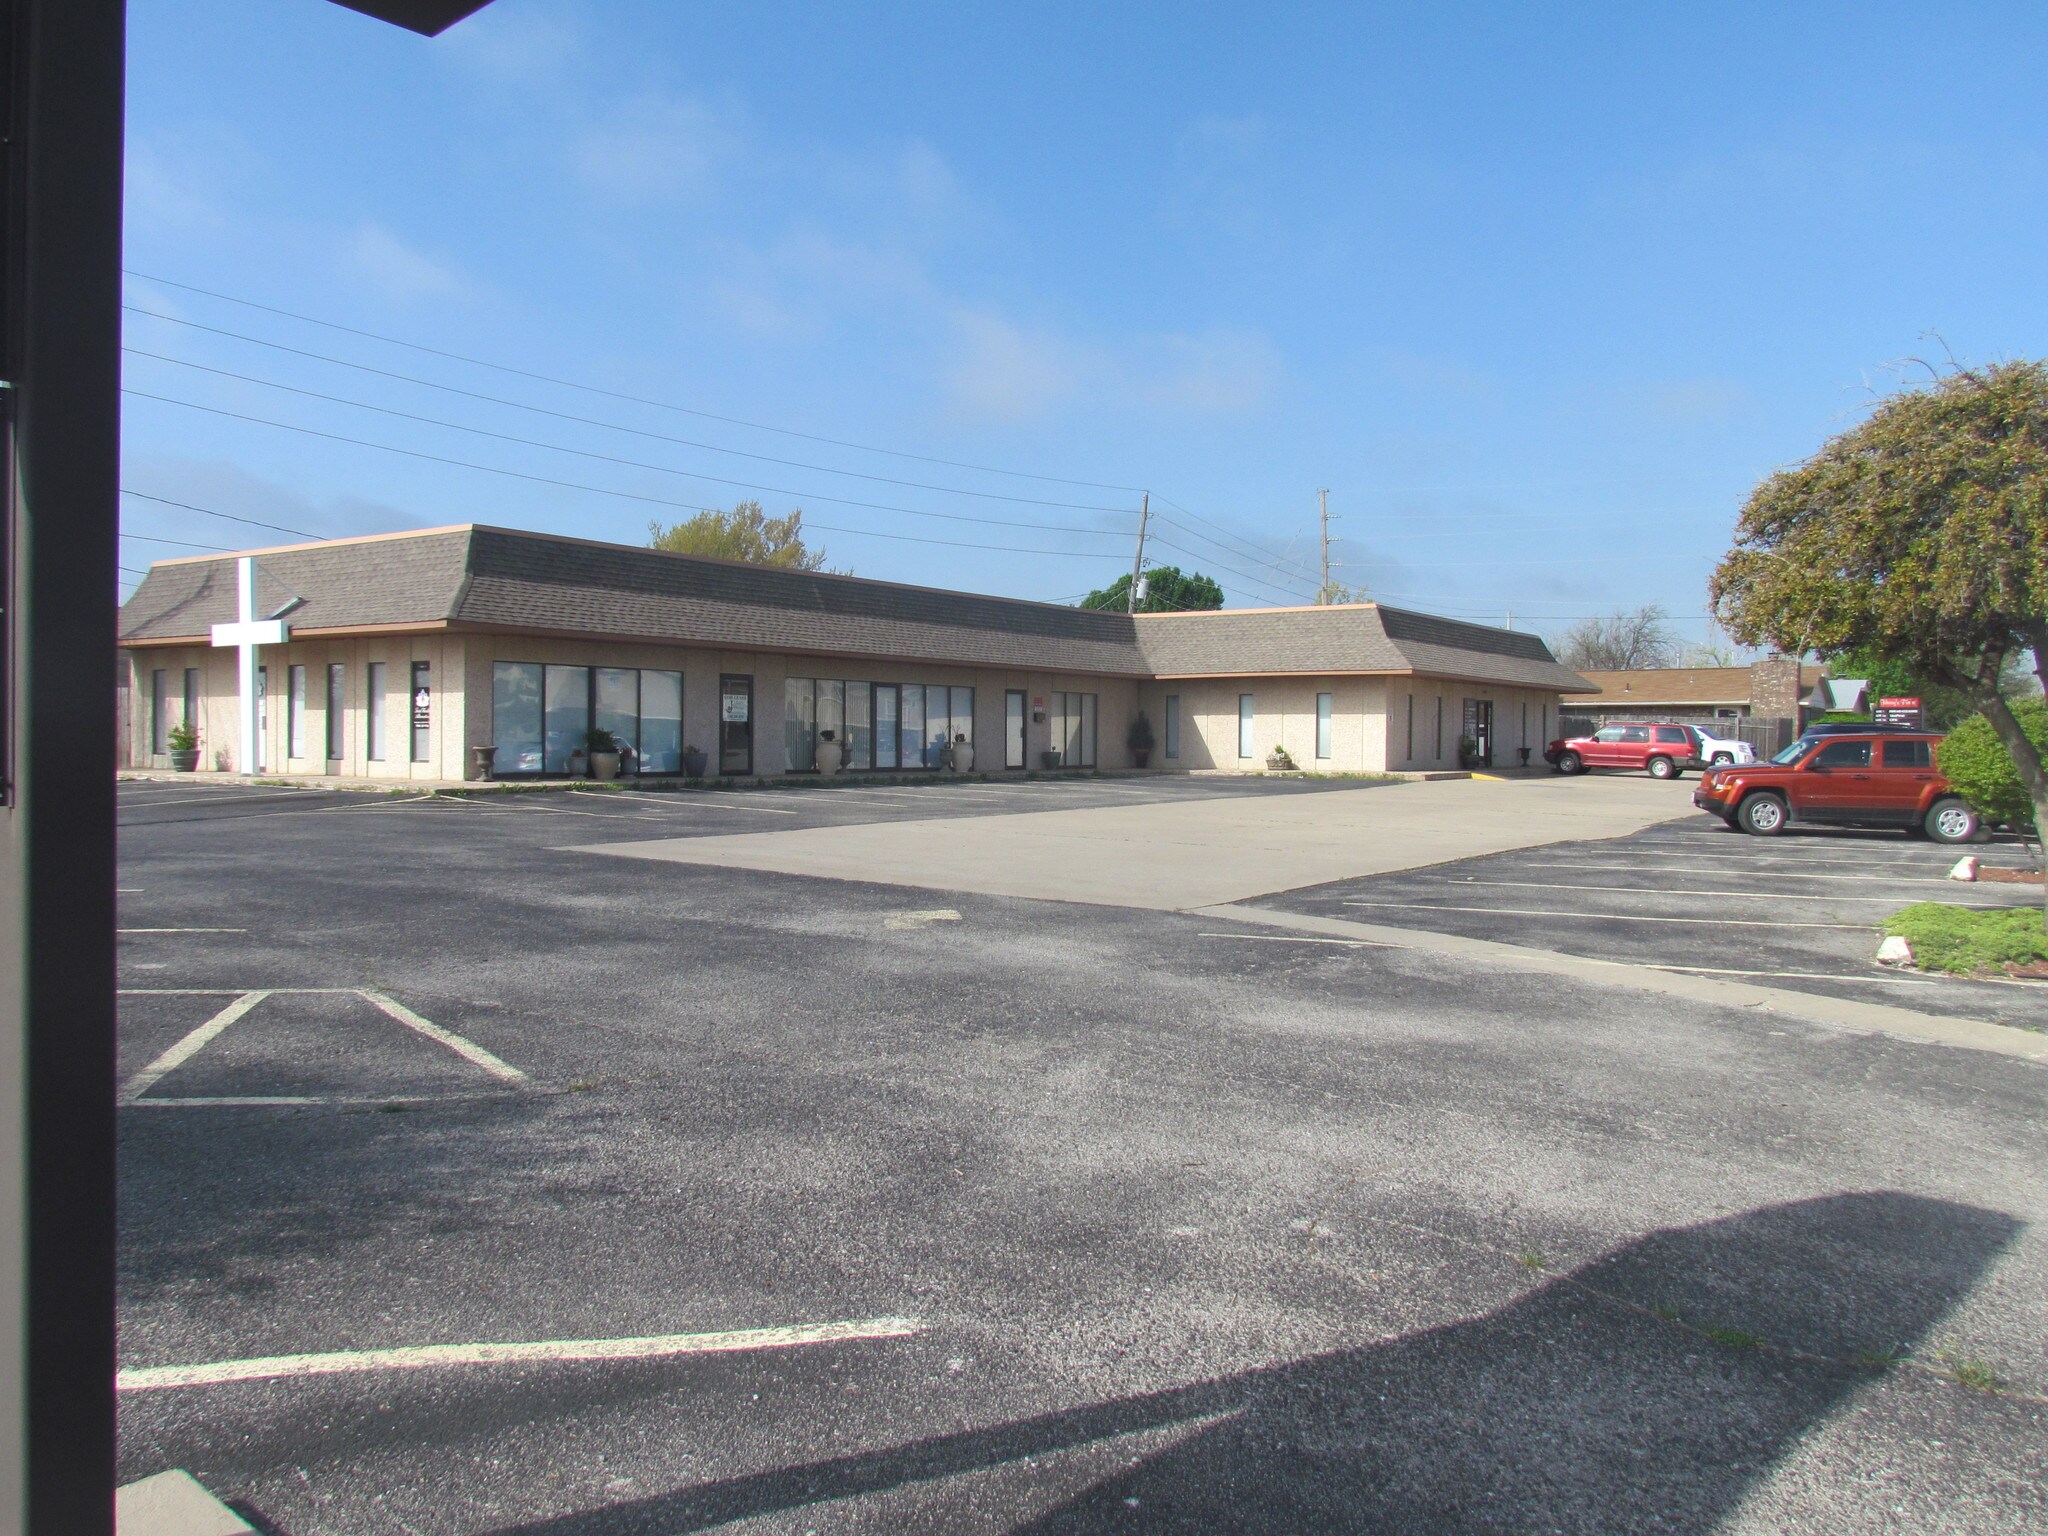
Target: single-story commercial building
{"x":398,"y":655}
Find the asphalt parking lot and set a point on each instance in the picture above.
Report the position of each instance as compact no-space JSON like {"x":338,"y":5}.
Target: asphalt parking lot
{"x":1799,"y":911}
{"x":825,"y":1205}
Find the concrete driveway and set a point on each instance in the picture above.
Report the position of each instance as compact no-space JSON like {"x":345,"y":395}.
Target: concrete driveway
{"x":1192,"y":846}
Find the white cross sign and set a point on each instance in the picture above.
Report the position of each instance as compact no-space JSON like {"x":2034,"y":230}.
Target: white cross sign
{"x":245,"y":635}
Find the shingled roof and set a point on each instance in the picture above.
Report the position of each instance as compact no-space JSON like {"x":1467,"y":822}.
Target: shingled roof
{"x":500,"y":579}
{"x":1353,"y":637}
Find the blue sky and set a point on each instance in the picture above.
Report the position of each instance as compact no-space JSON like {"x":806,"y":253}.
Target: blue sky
{"x":1538,"y":293}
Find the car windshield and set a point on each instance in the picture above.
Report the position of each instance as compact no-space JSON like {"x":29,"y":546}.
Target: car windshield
{"x":1796,"y":751}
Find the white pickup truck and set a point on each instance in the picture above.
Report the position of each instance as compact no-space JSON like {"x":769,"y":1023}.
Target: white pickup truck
{"x":1721,"y":752}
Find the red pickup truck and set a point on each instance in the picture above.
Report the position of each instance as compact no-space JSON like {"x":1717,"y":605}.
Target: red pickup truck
{"x":1665,"y":751}
{"x":1882,"y":779}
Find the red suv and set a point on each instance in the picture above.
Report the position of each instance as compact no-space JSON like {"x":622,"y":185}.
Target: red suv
{"x":1880,"y":779}
{"x":1665,"y":750}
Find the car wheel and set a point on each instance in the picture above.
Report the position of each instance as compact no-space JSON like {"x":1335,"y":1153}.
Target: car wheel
{"x":1951,"y":821}
{"x":1663,"y":768}
{"x":1722,"y":760}
{"x":1569,"y":762}
{"x":1762,"y":814}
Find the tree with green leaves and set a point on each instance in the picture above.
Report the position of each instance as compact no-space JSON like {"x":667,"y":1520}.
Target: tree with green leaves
{"x":1166,"y":591}
{"x":1973,"y":759}
{"x":745,"y":533}
{"x":1918,"y":536}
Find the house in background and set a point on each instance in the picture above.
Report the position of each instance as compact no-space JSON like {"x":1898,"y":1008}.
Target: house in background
{"x":424,"y":655}
{"x":1776,"y":688}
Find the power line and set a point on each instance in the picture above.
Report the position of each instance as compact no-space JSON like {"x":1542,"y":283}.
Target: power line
{"x":1246,"y":576}
{"x":596,"y":490}
{"x":231,"y":517}
{"x":732,"y":421}
{"x":609,"y":458}
{"x":1244,"y":546}
{"x":588,"y":421}
{"x":150,"y":538}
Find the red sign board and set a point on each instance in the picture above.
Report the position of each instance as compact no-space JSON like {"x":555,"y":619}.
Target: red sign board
{"x":1900,"y":711}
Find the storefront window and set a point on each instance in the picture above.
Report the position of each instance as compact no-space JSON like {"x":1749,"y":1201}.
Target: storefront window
{"x":515,"y":716}
{"x":800,"y":723}
{"x":618,"y":707}
{"x":567,"y":700}
{"x":661,"y":722}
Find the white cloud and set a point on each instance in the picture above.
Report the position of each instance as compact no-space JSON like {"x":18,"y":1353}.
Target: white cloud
{"x":1007,"y":372}
{"x":655,"y":149}
{"x":395,"y":269}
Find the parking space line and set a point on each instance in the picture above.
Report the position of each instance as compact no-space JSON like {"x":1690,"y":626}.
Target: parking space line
{"x":417,"y":1357}
{"x":186,"y":1048}
{"x":1721,"y":970}
{"x":1652,"y":890}
{"x":181,"y":930}
{"x":215,"y":798}
{"x":1610,"y":917}
{"x":1772,"y":874}
{"x":468,"y":1050}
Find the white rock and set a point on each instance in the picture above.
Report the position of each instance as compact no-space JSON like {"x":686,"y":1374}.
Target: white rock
{"x":1895,"y":951}
{"x":1966,"y":868}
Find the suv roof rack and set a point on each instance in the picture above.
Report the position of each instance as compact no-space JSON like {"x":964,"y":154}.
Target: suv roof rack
{"x":1855,"y":728}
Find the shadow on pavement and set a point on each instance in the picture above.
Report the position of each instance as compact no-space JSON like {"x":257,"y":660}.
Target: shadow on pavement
{"x":1572,"y":1408}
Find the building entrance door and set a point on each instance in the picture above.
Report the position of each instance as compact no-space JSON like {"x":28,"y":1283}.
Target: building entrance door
{"x":1013,"y":728}
{"x":735,"y":724}
{"x":1479,"y":729}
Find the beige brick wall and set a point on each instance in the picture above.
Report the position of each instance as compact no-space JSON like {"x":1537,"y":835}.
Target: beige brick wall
{"x":1369,"y":721}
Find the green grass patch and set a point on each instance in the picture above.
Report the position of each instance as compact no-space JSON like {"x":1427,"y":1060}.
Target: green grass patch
{"x":1962,"y":940}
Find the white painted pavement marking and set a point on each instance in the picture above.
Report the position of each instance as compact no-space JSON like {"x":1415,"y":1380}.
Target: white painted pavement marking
{"x":184,"y":1050}
{"x":418,"y":1357}
{"x":1656,"y":890}
{"x":215,"y":799}
{"x":181,"y":930}
{"x":468,"y":1050}
{"x":1607,"y":917}
{"x":1716,"y":970}
{"x":717,"y":800}
{"x":1767,"y":874}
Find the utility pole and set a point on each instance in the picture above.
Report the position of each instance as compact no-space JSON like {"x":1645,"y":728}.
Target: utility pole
{"x":1323,"y":592}
{"x":1138,"y":560}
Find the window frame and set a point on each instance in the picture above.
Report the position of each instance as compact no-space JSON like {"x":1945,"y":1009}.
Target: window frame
{"x":1326,"y":726}
{"x":1247,"y":727}
{"x":336,"y":721}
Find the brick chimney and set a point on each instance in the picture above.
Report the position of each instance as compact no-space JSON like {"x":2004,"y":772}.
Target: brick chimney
{"x":1774,"y":688}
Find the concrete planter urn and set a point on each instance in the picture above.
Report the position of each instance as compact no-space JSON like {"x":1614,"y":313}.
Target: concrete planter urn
{"x":186,"y":761}
{"x":1049,"y":759}
{"x":829,"y":755}
{"x":484,"y":760}
{"x":962,"y":755}
{"x":1279,"y":762}
{"x":604,"y":766}
{"x":695,"y":762}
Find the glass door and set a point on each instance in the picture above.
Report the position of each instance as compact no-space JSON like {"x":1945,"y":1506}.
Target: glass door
{"x":1479,"y":730}
{"x":735,"y":724}
{"x":1013,"y":728}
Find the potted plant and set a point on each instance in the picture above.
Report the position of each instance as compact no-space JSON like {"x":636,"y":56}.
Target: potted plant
{"x":1139,"y":740}
{"x":962,"y":755}
{"x":1050,"y":757}
{"x":829,"y":754}
{"x":695,"y":762}
{"x":1468,"y":752}
{"x":603,"y":748}
{"x":183,"y":741}
{"x":1277,"y":761}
